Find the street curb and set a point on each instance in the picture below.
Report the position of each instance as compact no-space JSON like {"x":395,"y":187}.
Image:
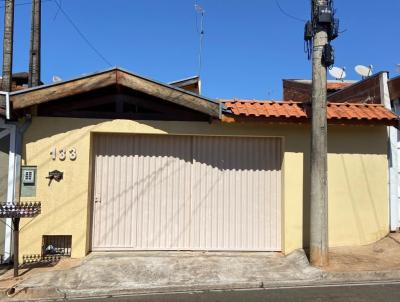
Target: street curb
{"x":361,"y":276}
{"x":325,"y":279}
{"x":35,"y":294}
{"x":304,"y":276}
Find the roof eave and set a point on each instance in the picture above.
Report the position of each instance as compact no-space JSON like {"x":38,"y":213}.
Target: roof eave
{"x":234,"y":118}
{"x":45,"y":93}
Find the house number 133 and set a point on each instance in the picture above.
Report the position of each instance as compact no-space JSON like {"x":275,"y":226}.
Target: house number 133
{"x":62,"y":153}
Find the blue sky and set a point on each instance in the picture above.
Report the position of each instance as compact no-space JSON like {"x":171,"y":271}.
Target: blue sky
{"x":249,"y":46}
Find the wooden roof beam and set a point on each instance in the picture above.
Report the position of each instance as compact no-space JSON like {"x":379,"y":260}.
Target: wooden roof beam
{"x":36,"y":96}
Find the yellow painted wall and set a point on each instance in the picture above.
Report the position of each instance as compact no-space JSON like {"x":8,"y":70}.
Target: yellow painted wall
{"x":358,"y":197}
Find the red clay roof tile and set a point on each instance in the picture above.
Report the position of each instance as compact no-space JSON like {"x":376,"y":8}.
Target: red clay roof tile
{"x":265,"y":109}
{"x":352,"y":112}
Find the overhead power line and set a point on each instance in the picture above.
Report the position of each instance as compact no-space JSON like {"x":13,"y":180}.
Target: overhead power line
{"x":69,"y":19}
{"x":58,"y":10}
{"x":287,"y":14}
{"x":81,"y":34}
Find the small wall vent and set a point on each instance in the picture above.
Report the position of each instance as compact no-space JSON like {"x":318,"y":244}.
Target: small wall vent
{"x":57,"y":245}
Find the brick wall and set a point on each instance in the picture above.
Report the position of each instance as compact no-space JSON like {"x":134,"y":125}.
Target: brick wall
{"x":394,"y":88}
{"x":296,"y":91}
{"x":300,"y":91}
{"x":365,"y":91}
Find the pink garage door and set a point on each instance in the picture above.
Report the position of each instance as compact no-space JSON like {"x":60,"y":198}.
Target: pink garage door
{"x":161,"y":192}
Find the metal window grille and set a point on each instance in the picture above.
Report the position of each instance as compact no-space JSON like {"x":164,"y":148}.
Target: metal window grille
{"x":56,"y":245}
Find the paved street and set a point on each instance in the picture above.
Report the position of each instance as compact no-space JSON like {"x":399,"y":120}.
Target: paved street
{"x":388,"y":292}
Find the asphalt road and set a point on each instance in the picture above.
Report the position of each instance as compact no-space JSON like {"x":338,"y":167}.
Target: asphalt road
{"x":386,"y":292}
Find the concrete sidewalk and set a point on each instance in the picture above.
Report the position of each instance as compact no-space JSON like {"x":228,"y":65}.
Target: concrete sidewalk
{"x":373,"y":262}
{"x":111,"y":274}
{"x":143,"y":272}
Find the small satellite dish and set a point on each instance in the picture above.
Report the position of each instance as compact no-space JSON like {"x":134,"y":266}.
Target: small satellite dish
{"x":364,"y":71}
{"x":398,"y":67}
{"x":56,"y":79}
{"x":338,"y":73}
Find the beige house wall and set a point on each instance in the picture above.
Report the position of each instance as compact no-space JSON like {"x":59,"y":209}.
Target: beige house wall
{"x":357,"y":163}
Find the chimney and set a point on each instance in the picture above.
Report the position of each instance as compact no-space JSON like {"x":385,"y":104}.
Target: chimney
{"x":34,"y":52}
{"x":8,"y":45}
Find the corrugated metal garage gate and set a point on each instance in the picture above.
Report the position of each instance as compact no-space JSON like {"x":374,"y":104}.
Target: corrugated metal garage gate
{"x":162,"y":192}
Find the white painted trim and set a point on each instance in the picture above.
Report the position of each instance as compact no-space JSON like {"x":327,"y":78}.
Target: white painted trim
{"x":11,"y":128}
{"x":7,"y":94}
{"x":392,"y":156}
{"x":396,"y":107}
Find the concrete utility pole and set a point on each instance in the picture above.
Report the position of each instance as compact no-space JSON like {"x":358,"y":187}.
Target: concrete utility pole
{"x":34,"y":52}
{"x":319,"y":192}
{"x":8,"y":45}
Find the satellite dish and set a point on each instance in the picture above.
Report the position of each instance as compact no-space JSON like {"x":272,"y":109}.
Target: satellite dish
{"x":338,"y":73}
{"x":364,"y":71}
{"x":398,"y":67}
{"x":56,"y":79}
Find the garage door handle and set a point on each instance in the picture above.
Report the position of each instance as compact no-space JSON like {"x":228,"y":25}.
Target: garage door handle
{"x":97,"y":199}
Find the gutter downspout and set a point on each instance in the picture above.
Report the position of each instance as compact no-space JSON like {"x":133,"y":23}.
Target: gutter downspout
{"x":10,"y":177}
{"x":392,"y":157}
{"x":7,"y":96}
{"x":13,"y":194}
{"x":396,"y":109}
{"x":14,"y":170}
{"x":18,"y":155}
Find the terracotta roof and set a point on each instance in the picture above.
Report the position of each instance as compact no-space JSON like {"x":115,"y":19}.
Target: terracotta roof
{"x":359,"y":112}
{"x":266,"y":108}
{"x":297,"y":111}
{"x":337,"y":85}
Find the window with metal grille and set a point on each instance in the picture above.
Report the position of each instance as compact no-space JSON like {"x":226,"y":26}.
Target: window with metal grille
{"x":56,"y":245}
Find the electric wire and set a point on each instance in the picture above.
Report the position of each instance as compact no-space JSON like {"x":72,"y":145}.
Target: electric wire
{"x":287,"y":14}
{"x":57,"y":12}
{"x":69,"y":19}
{"x":81,"y":34}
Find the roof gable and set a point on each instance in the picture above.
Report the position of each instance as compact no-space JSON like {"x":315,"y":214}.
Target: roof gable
{"x":114,"y":77}
{"x":118,"y":102}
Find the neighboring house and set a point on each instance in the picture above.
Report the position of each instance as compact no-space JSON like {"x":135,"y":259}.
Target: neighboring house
{"x":365,"y":91}
{"x":298,"y":90}
{"x":371,"y":90}
{"x":149,"y":166}
{"x":192,"y":84}
{"x":7,"y":150}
